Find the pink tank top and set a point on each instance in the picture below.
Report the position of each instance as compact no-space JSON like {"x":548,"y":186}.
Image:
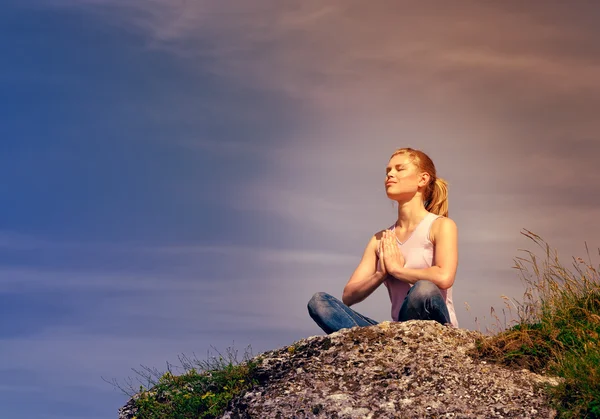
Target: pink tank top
{"x":418,"y":254}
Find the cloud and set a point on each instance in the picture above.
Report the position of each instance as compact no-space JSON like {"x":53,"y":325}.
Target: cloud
{"x":328,"y":53}
{"x":436,"y":77}
{"x":506,"y":114}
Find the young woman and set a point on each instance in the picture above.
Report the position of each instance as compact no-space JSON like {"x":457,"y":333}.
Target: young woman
{"x":416,"y":258}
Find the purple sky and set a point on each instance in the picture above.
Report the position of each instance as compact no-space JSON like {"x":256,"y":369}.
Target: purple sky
{"x":181,"y":174}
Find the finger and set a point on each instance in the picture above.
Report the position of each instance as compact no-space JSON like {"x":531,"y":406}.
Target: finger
{"x":391,"y":247}
{"x":391,"y":238}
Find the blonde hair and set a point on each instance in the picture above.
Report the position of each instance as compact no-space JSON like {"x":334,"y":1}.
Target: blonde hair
{"x":435,"y":197}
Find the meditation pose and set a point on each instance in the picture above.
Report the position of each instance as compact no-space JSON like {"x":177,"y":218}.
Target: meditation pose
{"x":416,"y":258}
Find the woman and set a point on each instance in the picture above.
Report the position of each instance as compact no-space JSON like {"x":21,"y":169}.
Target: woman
{"x":416,"y":258}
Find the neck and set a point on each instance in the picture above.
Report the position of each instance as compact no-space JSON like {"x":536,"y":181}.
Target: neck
{"x":410,"y":214}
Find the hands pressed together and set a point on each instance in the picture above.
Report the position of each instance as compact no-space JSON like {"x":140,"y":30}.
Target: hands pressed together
{"x":390,"y":257}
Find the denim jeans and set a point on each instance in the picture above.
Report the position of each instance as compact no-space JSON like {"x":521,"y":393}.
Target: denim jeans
{"x":424,"y":301}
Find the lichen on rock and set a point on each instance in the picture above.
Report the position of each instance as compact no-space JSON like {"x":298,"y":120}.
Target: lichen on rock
{"x":414,"y":369}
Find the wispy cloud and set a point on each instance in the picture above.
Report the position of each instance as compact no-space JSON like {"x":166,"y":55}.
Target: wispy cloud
{"x":19,"y":242}
{"x":375,"y":74}
{"x":328,"y":53}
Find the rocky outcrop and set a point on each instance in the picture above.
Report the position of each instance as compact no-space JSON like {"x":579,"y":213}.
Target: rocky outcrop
{"x":415,"y":369}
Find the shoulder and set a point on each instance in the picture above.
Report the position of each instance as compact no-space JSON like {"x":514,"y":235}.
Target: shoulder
{"x":442,"y":227}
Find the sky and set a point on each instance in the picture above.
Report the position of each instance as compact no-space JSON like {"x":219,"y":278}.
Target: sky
{"x":181,"y":176}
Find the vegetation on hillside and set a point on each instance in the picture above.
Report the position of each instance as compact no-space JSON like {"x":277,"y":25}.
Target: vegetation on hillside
{"x":202,"y":391}
{"x":556,"y":332}
{"x":557,"y":329}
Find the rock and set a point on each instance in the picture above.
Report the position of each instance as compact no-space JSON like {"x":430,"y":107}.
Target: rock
{"x":129,"y":410}
{"x":415,"y":369}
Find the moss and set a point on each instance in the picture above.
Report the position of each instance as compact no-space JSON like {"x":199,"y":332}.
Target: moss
{"x":194,"y":395}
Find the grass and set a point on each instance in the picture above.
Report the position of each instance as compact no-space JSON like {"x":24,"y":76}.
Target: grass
{"x":556,"y":330}
{"x":203,"y":390}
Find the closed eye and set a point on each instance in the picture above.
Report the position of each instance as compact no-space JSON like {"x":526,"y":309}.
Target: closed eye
{"x":398,"y":168}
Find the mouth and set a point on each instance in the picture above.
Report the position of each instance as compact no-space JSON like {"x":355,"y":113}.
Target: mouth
{"x":389,"y":183}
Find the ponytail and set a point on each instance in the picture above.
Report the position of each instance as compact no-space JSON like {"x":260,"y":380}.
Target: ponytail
{"x":437,"y":197}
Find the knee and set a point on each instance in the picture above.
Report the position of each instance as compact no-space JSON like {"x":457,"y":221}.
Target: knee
{"x":424,"y":289}
{"x":317,"y":301}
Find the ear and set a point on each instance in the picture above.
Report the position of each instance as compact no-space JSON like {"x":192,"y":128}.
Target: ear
{"x":424,"y":179}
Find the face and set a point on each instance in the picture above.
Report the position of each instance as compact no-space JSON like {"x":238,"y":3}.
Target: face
{"x":402,"y":178}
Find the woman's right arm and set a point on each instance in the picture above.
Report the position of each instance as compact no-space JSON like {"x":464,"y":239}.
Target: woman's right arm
{"x":366,"y":278}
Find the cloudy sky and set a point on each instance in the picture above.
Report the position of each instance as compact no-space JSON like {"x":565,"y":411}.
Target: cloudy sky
{"x":181,"y":174}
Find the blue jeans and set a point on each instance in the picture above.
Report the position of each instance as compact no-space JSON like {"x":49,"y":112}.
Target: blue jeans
{"x":424,"y":301}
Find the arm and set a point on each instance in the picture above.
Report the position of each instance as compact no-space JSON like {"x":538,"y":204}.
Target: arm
{"x":444,"y":236}
{"x":366,"y":278}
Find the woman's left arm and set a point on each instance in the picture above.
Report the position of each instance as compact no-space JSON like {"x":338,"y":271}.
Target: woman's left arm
{"x":444,"y":236}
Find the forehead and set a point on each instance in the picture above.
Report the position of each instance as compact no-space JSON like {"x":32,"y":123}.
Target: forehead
{"x":400,"y":159}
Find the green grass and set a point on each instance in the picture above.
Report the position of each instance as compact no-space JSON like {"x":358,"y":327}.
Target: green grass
{"x":556,"y":331}
{"x":203,"y":390}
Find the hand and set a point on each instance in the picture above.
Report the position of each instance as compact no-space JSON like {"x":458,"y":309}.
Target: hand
{"x":381,"y":268}
{"x":392,"y":258}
